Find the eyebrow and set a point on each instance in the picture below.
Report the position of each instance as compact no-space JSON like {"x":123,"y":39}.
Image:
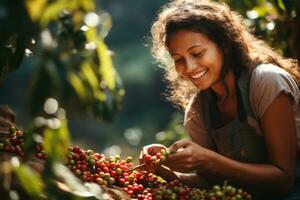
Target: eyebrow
{"x":194,"y":47}
{"x":173,"y":54}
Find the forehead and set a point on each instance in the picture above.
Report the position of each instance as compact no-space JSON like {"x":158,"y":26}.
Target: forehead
{"x":184,"y":39}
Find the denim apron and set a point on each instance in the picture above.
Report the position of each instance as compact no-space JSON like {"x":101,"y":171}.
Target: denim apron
{"x":239,"y":139}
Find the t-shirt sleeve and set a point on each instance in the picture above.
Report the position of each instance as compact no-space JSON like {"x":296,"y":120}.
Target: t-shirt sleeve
{"x":194,"y":124}
{"x":267,"y":82}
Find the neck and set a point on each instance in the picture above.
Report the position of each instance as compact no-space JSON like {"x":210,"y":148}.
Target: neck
{"x":220,"y":89}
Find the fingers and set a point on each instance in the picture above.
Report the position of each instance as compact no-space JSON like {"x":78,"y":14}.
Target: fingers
{"x":183,"y":149}
{"x":177,"y":146}
{"x":178,"y":161}
{"x":151,"y":149}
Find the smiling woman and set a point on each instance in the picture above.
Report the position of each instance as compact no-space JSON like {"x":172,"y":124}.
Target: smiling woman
{"x":197,"y":58}
{"x":241,"y":101}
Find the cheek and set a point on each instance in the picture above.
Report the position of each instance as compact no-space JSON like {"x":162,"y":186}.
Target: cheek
{"x":179,"y":69}
{"x":216,"y":63}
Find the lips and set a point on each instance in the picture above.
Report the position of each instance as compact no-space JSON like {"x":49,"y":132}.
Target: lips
{"x":199,"y":75}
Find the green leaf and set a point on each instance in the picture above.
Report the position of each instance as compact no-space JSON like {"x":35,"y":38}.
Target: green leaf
{"x":77,"y":85}
{"x":75,"y":185}
{"x":57,"y":141}
{"x":99,"y":95}
{"x":107,"y":69}
{"x":87,"y":5}
{"x":68,"y":177}
{"x":30,"y":181}
{"x":281,"y":5}
{"x":52,"y":11}
{"x":89,"y":74}
{"x":35,"y":8}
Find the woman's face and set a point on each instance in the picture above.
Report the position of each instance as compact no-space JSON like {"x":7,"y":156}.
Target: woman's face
{"x":197,"y":58}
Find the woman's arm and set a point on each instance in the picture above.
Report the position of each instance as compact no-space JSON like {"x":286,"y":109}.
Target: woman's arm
{"x":279,"y":129}
{"x":195,"y":127}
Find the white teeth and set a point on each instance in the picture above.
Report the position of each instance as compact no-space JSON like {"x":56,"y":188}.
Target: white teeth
{"x":199,"y":74}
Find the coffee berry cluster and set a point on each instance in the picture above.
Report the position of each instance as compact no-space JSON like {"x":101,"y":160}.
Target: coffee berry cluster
{"x":173,"y":190}
{"x":12,"y":141}
{"x":217,"y":192}
{"x":156,"y":159}
{"x":113,"y":171}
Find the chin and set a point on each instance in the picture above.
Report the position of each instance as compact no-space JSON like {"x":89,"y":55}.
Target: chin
{"x":202,"y":86}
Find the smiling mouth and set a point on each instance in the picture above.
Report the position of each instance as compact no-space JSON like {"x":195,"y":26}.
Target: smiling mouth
{"x":199,"y":75}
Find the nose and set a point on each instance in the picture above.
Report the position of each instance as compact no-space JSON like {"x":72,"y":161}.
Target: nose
{"x":191,"y":65}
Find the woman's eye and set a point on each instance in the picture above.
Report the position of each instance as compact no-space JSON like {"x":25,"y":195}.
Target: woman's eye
{"x":178,"y":60}
{"x":198,"y":54}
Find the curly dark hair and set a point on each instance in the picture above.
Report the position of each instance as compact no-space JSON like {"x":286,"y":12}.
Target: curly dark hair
{"x":224,"y":27}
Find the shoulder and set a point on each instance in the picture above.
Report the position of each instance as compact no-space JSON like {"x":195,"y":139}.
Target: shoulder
{"x":269,"y":72}
{"x":266,"y":83}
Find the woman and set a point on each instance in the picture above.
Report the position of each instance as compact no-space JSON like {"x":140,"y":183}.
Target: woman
{"x":241,"y":101}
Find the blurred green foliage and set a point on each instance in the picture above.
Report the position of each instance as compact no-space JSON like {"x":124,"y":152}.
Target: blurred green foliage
{"x":173,"y":132}
{"x":53,"y":179}
{"x":64,"y":39}
{"x":65,"y":42}
{"x":275,"y":21}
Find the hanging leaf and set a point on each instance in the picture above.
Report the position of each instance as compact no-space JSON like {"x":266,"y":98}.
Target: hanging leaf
{"x":106,"y":66}
{"x":87,"y":5}
{"x":35,"y":8}
{"x":89,"y":74}
{"x":77,"y":85}
{"x":52,"y":11}
{"x":68,"y":177}
{"x":30,"y":181}
{"x":281,"y":5}
{"x":74,"y":185}
{"x":57,"y":140}
{"x":264,"y":10}
{"x":99,"y":95}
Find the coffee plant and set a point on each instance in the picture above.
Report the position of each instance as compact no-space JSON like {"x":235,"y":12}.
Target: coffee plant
{"x":115,"y":172}
{"x":62,"y":41}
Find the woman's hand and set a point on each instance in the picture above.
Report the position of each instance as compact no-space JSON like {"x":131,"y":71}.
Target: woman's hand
{"x":152,"y":150}
{"x":188,"y":156}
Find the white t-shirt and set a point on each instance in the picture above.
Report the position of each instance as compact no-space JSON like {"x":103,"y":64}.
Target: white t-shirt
{"x":266,"y":83}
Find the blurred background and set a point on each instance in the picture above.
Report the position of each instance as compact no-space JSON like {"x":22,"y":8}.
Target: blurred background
{"x":144,"y":116}
{"x":144,"y":111}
